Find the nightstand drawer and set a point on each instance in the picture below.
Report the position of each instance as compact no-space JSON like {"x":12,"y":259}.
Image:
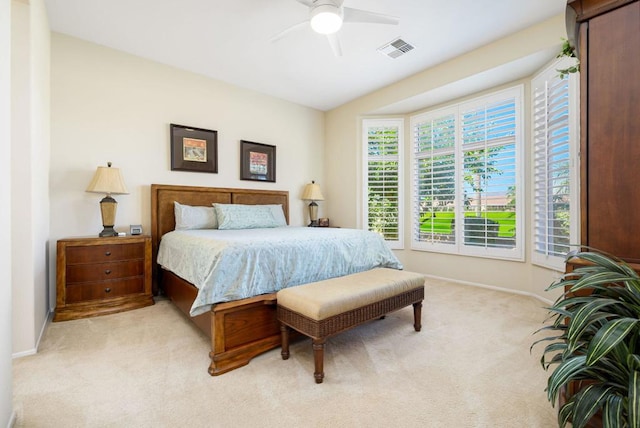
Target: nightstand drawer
{"x":104,"y":271}
{"x":103,"y":290}
{"x":104,"y":253}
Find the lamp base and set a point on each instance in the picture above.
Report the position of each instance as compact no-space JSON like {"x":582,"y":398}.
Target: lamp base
{"x":313,"y":214}
{"x":108,"y":207}
{"x":108,"y":231}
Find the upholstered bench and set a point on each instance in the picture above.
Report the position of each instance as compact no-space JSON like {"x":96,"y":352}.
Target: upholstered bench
{"x":325,"y":308}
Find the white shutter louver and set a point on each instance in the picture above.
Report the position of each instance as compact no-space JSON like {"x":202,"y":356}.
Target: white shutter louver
{"x":383,"y":175}
{"x":552,"y":167}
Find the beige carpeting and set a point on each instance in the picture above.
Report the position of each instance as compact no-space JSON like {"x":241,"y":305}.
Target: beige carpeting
{"x":470,"y":366}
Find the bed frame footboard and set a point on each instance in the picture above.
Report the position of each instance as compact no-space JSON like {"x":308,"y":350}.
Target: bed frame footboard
{"x":242,"y":329}
{"x":239,"y":330}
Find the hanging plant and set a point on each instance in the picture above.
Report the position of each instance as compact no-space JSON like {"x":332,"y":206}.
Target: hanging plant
{"x":569,"y":52}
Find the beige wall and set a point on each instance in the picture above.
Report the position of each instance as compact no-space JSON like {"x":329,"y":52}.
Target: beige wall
{"x":6,"y":407}
{"x":111,"y":106}
{"x":343,"y":172}
{"x":29,"y":172}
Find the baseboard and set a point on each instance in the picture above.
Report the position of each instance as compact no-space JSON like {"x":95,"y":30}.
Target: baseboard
{"x":493,"y":287}
{"x":34,"y":350}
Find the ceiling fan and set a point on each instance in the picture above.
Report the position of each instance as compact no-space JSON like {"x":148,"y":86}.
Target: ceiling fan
{"x":326,"y":17}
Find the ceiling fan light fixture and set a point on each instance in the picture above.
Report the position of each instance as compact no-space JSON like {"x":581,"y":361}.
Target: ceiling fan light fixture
{"x":326,"y":19}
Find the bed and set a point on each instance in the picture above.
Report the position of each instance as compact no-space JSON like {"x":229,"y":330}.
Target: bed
{"x":241,"y":321}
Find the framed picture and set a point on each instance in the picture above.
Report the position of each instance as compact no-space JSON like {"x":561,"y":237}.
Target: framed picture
{"x":257,"y":161}
{"x":323,"y":222}
{"x":194,"y":149}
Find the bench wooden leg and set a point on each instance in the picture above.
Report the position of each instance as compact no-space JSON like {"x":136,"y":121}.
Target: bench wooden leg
{"x":417,"y":316}
{"x":318,"y":357}
{"x":284,"y":337}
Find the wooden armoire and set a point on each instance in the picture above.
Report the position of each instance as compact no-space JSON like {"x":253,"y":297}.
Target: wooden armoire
{"x":607,"y":35}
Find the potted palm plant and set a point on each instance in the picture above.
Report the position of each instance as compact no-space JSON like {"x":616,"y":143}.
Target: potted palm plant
{"x":595,"y":343}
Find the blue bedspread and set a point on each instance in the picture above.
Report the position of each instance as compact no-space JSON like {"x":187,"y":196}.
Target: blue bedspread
{"x":228,"y":265}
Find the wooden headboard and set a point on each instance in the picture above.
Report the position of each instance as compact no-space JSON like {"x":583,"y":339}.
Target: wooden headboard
{"x":164,"y":195}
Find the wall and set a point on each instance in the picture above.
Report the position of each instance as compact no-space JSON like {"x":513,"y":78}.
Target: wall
{"x":111,"y":106}
{"x":29,"y":173}
{"x":6,"y":410}
{"x":343,"y":136}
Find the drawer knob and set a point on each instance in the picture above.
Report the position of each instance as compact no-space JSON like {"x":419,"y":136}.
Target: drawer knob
{"x":107,"y":290}
{"x":107,"y":253}
{"x":107,"y":271}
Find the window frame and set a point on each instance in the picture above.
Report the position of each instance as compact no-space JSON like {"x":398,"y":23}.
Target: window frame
{"x":545,"y":75}
{"x":459,"y":247}
{"x":377,"y":123}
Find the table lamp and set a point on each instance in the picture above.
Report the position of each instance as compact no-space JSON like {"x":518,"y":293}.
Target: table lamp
{"x":108,"y":180}
{"x":312,"y":193}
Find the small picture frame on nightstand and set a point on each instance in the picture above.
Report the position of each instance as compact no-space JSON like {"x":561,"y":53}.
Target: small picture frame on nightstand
{"x":135,"y":229}
{"x":323,"y":222}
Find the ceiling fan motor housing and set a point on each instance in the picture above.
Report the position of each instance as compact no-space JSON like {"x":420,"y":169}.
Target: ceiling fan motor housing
{"x":326,"y":17}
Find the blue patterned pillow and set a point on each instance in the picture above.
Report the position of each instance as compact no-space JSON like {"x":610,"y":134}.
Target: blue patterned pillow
{"x":237,"y":216}
{"x":278,"y":214}
{"x":191,"y":217}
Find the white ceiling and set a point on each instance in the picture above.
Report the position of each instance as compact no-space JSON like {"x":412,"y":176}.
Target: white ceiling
{"x":230,"y":40}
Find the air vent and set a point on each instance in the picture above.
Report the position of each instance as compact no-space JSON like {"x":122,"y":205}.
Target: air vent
{"x":396,"y":48}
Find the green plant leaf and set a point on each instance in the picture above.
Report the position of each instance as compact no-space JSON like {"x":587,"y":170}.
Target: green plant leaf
{"x":608,"y":337}
{"x":612,"y":413}
{"x":565,"y":412}
{"x":633,"y":362}
{"x":599,"y":259}
{"x":634,"y":399}
{"x":614,"y":370}
{"x":600,"y":280}
{"x":557,"y":349}
{"x":568,"y":370}
{"x":588,"y":401}
{"x":587,"y":315}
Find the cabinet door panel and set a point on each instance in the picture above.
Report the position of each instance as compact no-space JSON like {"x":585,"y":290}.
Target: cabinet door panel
{"x":613,"y":132}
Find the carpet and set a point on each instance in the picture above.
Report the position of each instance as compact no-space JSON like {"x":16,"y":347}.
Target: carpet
{"x":470,"y":366}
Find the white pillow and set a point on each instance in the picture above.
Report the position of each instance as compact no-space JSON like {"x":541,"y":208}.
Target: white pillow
{"x":238,"y":216}
{"x":192,"y":217}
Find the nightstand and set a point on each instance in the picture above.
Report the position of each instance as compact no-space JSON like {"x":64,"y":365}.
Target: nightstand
{"x":99,"y":276}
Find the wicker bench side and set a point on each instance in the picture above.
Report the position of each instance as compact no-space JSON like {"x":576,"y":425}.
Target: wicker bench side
{"x":346,"y":320}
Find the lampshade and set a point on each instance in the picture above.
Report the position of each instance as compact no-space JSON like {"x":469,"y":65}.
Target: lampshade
{"x":108,"y":180}
{"x":312,"y":192}
{"x":326,"y":19}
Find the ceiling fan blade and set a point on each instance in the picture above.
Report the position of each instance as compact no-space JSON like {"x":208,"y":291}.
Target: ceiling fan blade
{"x":335,"y":44}
{"x":357,"y":15}
{"x":283,"y":33}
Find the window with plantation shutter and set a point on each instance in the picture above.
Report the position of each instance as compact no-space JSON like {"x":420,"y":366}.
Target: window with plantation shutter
{"x":383,"y":140}
{"x":555,"y":207}
{"x":434,"y":178}
{"x":467,"y":178}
